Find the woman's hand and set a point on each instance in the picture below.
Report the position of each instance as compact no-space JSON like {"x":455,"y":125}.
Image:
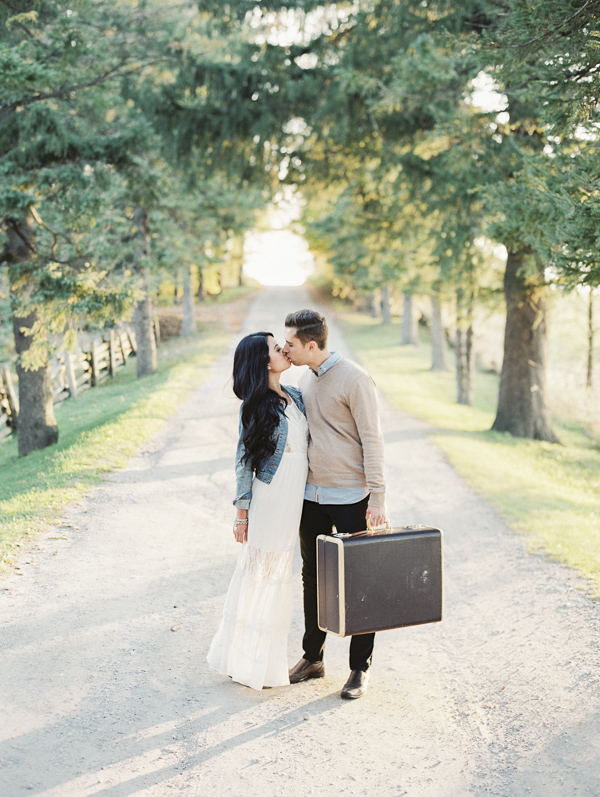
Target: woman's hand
{"x":240,"y":527}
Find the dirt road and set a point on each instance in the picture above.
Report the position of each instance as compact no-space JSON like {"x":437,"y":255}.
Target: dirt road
{"x":104,"y":631}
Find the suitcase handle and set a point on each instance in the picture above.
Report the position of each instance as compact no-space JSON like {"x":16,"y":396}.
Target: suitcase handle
{"x":372,"y":529}
{"x":369,"y":530}
{"x":379,"y":529}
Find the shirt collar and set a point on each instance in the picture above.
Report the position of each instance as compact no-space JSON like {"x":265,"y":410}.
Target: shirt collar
{"x":333,"y":358}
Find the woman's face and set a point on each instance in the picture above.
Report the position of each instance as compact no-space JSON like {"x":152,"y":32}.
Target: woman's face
{"x":278,"y":362}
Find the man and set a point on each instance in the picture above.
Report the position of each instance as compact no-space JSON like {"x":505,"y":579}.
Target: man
{"x":345,"y":484}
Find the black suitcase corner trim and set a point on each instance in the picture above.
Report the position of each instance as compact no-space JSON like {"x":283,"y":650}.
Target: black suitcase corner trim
{"x":379,"y":580}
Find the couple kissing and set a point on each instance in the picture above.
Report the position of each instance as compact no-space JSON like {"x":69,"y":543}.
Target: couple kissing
{"x":309,"y":459}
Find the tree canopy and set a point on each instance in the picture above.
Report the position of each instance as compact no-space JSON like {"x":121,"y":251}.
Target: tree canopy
{"x":139,"y":135}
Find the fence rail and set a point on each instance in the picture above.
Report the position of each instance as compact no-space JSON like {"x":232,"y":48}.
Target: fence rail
{"x":71,"y":373}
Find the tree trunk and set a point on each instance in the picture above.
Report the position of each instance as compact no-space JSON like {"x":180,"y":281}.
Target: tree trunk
{"x":200,"y":295}
{"x":522,"y":402}
{"x":143,"y":316}
{"x":386,"y":313}
{"x":36,"y":425}
{"x":156,"y":328}
{"x":590,"y":348}
{"x":438,"y":336}
{"x":188,"y":324}
{"x":237,"y":252}
{"x":464,"y":347}
{"x":373,"y":304}
{"x":410,"y":332}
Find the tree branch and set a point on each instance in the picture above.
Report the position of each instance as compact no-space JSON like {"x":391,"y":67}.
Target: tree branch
{"x":549,"y":31}
{"x":111,"y":73}
{"x":12,"y":222}
{"x":12,"y":8}
{"x":55,"y":235}
{"x":588,"y":70}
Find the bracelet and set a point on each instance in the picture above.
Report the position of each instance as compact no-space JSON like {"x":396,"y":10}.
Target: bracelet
{"x":240,"y":520}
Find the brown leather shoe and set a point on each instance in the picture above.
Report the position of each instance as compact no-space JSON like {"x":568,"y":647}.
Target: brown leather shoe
{"x":356,"y":685}
{"x":305,"y":670}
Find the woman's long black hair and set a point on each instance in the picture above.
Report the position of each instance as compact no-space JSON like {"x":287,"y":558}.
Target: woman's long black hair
{"x":262,"y":408}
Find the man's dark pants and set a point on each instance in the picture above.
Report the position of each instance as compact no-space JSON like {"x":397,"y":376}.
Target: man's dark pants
{"x":320,"y":519}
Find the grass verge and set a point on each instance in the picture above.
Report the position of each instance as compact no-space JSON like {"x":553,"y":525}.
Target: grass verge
{"x":550,"y":492}
{"x":99,"y":432}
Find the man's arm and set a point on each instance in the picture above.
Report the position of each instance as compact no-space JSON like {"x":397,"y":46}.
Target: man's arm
{"x":365,"y":412}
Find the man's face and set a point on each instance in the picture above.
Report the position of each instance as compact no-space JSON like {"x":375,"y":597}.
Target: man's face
{"x":297,"y":353}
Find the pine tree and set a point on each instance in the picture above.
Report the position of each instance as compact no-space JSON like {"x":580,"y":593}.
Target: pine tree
{"x":59,"y":176}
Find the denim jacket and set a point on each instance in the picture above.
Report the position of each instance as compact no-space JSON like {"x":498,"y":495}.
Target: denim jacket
{"x":267,"y":468}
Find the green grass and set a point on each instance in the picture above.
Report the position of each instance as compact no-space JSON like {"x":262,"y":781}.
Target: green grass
{"x":99,"y":432}
{"x":231,"y":293}
{"x":550,"y":492}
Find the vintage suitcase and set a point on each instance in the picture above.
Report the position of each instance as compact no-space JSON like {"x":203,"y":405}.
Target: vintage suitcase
{"x":379,"y":579}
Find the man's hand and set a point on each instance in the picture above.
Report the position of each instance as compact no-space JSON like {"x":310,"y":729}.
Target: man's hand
{"x":377,"y":515}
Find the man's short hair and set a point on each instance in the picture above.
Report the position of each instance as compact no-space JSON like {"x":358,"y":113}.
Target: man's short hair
{"x":309,"y":325}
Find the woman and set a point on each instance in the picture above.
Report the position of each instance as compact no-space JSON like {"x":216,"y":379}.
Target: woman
{"x":271,"y":470}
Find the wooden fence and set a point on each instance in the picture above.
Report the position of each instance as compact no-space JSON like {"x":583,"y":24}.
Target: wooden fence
{"x":71,"y":374}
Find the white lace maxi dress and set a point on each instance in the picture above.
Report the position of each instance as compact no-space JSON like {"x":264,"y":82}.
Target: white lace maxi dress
{"x":251,"y":643}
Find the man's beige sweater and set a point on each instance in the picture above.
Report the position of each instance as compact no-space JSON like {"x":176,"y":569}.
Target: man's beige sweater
{"x":346,"y":444}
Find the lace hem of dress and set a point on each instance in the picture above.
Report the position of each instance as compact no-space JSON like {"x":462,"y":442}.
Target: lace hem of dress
{"x":265,"y":565}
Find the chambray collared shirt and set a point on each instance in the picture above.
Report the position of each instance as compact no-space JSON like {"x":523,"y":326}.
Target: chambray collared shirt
{"x":333,"y":495}
{"x":333,"y":358}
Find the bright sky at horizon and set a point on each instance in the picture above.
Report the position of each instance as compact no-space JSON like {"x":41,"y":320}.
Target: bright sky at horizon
{"x":277,"y":257}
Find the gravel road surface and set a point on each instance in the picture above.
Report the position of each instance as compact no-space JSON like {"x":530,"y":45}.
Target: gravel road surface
{"x":104,"y":630}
